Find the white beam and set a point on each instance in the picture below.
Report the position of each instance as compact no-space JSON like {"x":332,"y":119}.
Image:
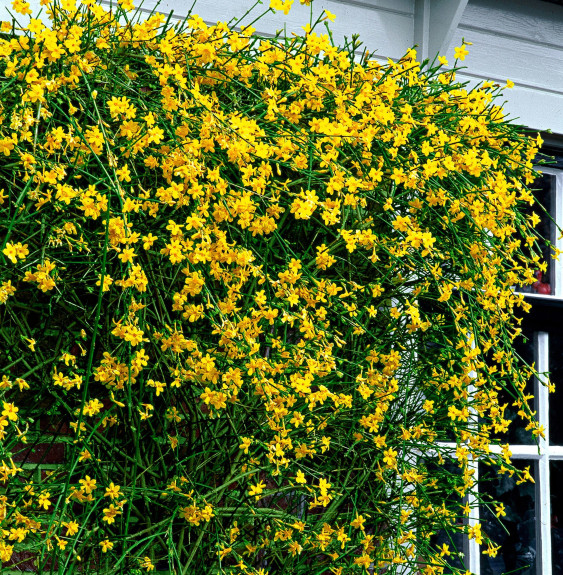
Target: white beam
{"x":435,"y":22}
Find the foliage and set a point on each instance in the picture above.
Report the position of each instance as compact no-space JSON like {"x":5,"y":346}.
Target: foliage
{"x":253,"y":286}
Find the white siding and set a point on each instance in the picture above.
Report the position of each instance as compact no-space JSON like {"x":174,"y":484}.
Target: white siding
{"x":520,"y":40}
{"x":383,"y":25}
{"x":6,"y":8}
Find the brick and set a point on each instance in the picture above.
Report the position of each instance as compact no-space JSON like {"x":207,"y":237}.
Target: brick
{"x":22,"y":561}
{"x":39,"y":453}
{"x":49,"y":425}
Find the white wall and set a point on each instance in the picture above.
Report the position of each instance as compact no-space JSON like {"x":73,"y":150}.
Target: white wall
{"x":383,"y":25}
{"x":521,"y":40}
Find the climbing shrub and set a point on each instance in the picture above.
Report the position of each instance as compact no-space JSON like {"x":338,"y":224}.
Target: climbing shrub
{"x":258,"y":294}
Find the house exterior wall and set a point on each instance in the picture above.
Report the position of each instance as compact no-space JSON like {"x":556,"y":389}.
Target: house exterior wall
{"x":521,"y":40}
{"x":383,"y":25}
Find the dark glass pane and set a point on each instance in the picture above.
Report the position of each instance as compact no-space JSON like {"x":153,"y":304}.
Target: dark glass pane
{"x":556,"y":377}
{"x":517,"y":432}
{"x":454,"y":543}
{"x":556,"y":481}
{"x":516,"y":535}
{"x":452,"y":539}
{"x":545,"y":195}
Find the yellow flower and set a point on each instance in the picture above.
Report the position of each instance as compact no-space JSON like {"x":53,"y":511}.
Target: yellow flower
{"x":18,"y":534}
{"x":499,"y":510}
{"x":85,"y":455}
{"x":428,"y":406}
{"x":107,"y":282}
{"x":110,"y":514}
{"x":71,"y":528}
{"x":10,"y":411}
{"x":491,"y":550}
{"x":509,"y":84}
{"x":123,"y":174}
{"x":21,"y":251}
{"x":281,"y":5}
{"x":88,"y":484}
{"x":474,"y":532}
{"x":358,"y":523}
{"x":390,"y":457}
{"x":113,"y":491}
{"x":300,"y":478}
{"x":44,"y":500}
{"x":256,"y":490}
{"x":246,"y":442}
{"x":146,"y":563}
{"x":127,"y":255}
{"x":365,"y":561}
{"x":304,"y":206}
{"x":460,"y":52}
{"x":329,"y":15}
{"x":21,"y":7}
{"x":445,"y":550}
{"x":295,"y":548}
{"x":106,"y":545}
{"x":61,"y":543}
{"x":11,"y":252}
{"x":148,"y":241}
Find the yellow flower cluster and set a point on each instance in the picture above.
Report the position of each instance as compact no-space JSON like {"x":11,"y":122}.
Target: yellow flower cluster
{"x":276,"y":273}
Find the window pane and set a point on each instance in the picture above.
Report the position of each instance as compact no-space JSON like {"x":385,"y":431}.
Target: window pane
{"x":556,"y":480}
{"x":545,"y":196}
{"x":517,"y":533}
{"x":555,"y":399}
{"x":453,"y":540}
{"x":517,"y":432}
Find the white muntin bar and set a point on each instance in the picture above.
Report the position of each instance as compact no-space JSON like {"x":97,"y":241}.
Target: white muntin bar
{"x":471,"y":547}
{"x":543,"y":504}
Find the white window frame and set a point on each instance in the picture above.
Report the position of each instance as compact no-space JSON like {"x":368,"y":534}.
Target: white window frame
{"x":557,"y":289}
{"x":543,"y":453}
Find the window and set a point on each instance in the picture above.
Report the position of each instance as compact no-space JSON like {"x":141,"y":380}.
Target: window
{"x":531,"y":534}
